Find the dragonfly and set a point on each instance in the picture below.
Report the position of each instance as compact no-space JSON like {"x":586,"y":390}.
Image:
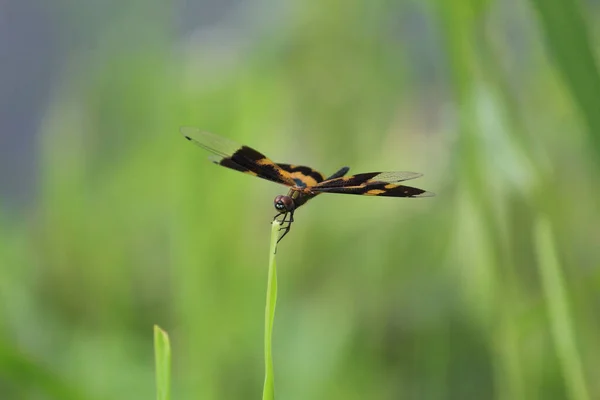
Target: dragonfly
{"x":304,"y":182}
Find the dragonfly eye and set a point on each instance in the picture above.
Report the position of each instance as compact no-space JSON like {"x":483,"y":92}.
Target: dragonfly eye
{"x":284,"y":203}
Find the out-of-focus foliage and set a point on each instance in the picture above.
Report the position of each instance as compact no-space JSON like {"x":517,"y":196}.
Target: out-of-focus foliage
{"x":488,"y":290}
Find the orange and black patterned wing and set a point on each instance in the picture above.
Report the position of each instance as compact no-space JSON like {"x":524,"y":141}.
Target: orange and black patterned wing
{"x":373,"y":184}
{"x":235,"y":156}
{"x":302,"y":175}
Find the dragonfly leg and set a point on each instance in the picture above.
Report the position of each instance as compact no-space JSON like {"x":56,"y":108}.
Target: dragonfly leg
{"x":284,"y":220}
{"x":288,"y":226}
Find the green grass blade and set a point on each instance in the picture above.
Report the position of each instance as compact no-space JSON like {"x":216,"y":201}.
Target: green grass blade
{"x":269,"y":389}
{"x":162,"y":352}
{"x":564,"y":26}
{"x":558,"y":312}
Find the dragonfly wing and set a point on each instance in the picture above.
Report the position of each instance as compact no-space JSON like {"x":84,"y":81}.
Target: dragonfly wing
{"x":370,"y":177}
{"x":303,"y":176}
{"x":373,"y":184}
{"x":238,"y":157}
{"x":377,"y":189}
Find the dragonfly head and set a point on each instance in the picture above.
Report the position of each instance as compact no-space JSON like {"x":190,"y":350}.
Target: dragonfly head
{"x":284,"y":204}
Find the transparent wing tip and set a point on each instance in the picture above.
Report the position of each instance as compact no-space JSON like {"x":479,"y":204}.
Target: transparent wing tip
{"x":396,"y":176}
{"x":425,"y":194}
{"x":188,"y":131}
{"x":215,"y":159}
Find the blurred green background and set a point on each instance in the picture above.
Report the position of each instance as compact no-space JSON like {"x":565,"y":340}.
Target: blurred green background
{"x":111,"y":222}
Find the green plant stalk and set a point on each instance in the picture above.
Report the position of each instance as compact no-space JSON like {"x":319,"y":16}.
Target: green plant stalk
{"x":162,"y":353}
{"x":558,"y":312}
{"x":268,"y":388}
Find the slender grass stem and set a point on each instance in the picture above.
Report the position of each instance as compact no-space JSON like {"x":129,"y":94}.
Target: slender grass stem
{"x":558,"y":311}
{"x":162,"y":353}
{"x":269,"y":389}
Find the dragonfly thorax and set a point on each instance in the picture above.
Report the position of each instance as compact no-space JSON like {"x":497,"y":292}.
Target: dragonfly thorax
{"x":284,"y":203}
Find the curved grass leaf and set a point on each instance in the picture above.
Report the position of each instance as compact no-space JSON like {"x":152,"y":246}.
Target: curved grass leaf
{"x":162,"y":351}
{"x":269,"y":387}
